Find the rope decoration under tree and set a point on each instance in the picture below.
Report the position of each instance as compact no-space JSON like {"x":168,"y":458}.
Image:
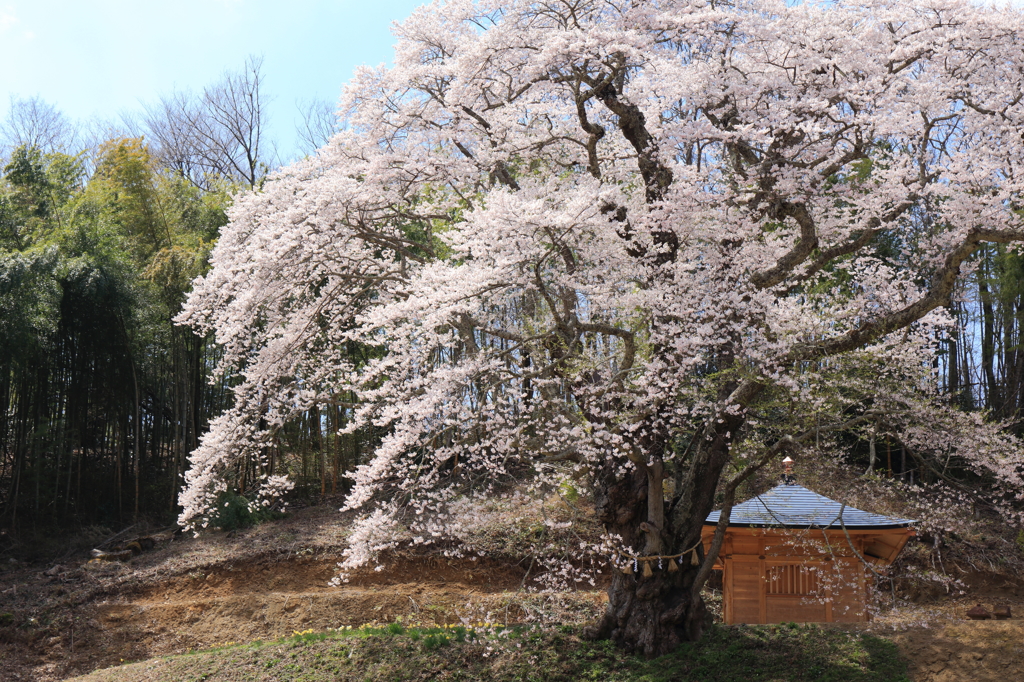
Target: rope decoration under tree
{"x":674,"y":561}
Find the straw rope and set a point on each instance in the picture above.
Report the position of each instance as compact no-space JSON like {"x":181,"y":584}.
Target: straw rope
{"x":633,"y":561}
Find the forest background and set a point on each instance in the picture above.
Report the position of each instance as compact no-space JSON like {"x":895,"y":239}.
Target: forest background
{"x":102,"y":229}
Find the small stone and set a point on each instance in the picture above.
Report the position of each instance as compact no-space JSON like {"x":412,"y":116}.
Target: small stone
{"x":979,"y":612}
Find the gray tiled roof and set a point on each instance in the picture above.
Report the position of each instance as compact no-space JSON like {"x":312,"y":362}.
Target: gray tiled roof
{"x":794,"y":506}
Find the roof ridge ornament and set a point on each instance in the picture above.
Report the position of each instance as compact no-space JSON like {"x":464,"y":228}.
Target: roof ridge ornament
{"x":787,"y":477}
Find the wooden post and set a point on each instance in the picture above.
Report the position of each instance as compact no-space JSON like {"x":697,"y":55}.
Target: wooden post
{"x":762,"y":586}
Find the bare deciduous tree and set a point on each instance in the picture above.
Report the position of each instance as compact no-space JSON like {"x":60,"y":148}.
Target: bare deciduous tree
{"x":220,"y":132}
{"x":33,"y":122}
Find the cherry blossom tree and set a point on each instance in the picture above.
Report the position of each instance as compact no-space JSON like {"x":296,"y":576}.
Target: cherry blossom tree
{"x":631,"y":245}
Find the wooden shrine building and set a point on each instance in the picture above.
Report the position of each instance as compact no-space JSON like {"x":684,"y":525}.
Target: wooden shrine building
{"x":791,"y":555}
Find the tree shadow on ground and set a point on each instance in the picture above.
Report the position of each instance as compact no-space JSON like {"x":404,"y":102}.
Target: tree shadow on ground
{"x":787,"y":652}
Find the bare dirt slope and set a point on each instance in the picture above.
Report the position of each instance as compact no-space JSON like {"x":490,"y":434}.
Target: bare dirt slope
{"x":987,"y":651}
{"x":271,"y":581}
{"x":943,"y":645}
{"x":268,"y":601}
{"x":261,"y":584}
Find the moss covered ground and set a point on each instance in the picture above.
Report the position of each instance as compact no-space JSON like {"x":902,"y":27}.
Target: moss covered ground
{"x":786,"y":652}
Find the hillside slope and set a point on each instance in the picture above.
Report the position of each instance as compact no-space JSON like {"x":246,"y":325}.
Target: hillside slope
{"x":268,"y":582}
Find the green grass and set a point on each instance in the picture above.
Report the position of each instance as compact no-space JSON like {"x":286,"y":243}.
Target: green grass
{"x":770,"y":653}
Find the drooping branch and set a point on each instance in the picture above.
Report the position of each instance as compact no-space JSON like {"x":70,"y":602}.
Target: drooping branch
{"x":939,"y":290}
{"x":804,"y":247}
{"x":783,"y":444}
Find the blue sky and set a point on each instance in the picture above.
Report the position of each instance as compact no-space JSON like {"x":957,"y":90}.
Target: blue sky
{"x":97,"y":58}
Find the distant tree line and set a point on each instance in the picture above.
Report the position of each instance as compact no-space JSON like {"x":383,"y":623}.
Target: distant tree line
{"x":980,"y":366}
{"x":102,"y":395}
{"x":983,"y":366}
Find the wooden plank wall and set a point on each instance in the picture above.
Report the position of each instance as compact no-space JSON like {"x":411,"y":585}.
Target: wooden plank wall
{"x":772,"y":578}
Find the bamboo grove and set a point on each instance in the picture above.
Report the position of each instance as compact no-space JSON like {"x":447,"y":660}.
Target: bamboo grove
{"x":102,"y":231}
{"x":103,"y":396}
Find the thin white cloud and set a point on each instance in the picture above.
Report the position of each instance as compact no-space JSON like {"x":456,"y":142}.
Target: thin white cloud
{"x":7,"y":19}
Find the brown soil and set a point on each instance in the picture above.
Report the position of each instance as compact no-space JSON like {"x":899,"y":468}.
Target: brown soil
{"x":272,"y":581}
{"x":269,"y":601}
{"x":228,"y":588}
{"x":982,"y":651}
{"x":942,"y":644}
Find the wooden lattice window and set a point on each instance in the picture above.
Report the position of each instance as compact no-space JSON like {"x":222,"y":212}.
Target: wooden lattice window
{"x":792,"y":579}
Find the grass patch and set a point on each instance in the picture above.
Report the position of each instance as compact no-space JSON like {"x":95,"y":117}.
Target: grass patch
{"x":769,"y":653}
{"x":235,"y":512}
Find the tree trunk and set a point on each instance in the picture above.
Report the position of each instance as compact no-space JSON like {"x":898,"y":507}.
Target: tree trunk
{"x":872,"y":455}
{"x":653,"y":615}
{"x":649,"y":615}
{"x":992,"y":400}
{"x":137,"y":436}
{"x":652,"y":612}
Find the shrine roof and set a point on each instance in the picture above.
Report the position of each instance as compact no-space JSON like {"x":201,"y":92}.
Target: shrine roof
{"x":794,"y":506}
